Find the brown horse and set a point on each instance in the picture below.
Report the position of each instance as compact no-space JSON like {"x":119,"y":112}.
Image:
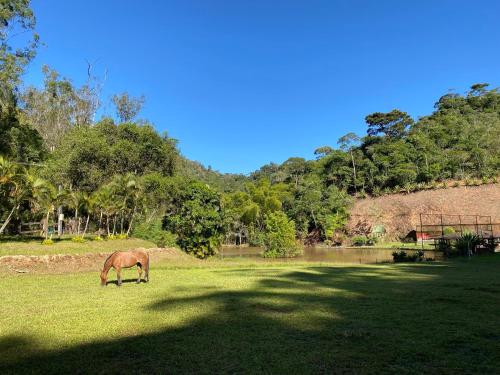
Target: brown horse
{"x":126,"y":259}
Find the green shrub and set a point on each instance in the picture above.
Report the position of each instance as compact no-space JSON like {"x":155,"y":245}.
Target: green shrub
{"x":403,"y":257}
{"x":359,"y":240}
{"x":121,"y":236}
{"x":198,"y":220}
{"x":98,"y":238}
{"x":362,"y":194}
{"x":279,"y":236}
{"x":466,"y":244}
{"x":111,"y":237}
{"x":256,"y":239}
{"x":364,"y":240}
{"x":48,"y":241}
{"x":153,"y":232}
{"x":78,"y":239}
{"x":443,"y":246}
{"x":448,"y":230}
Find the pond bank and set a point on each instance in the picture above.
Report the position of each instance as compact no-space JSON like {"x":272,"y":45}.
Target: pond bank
{"x":331,"y":254}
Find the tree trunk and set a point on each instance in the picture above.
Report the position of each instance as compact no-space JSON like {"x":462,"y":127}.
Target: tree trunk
{"x":131,"y":220}
{"x":354,"y":171}
{"x":114,"y":225}
{"x":107,"y":223}
{"x":100,"y":222}
{"x":151,"y":217}
{"x":86,"y":226}
{"x":7,"y":221}
{"x":47,"y":231}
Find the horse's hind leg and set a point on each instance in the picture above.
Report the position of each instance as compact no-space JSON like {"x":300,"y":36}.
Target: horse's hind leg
{"x":139,"y":271}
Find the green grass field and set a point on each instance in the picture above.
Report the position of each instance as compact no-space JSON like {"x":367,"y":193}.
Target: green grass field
{"x":66,"y":246}
{"x":257,"y":318}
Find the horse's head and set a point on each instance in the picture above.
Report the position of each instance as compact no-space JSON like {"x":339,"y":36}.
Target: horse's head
{"x":104,"y":279}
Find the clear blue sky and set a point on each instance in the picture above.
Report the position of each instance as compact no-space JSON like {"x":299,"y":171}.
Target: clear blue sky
{"x":241,"y":83}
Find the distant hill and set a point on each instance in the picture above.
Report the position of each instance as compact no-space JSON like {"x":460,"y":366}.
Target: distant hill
{"x":221,"y":181}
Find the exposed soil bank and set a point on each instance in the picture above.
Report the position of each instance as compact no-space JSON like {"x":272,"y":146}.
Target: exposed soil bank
{"x":62,"y":263}
{"x":399,"y":213}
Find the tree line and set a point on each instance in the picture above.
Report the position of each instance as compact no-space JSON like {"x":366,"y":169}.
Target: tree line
{"x":118,"y":177}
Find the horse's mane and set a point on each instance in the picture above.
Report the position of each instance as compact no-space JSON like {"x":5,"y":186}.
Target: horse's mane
{"x":109,"y":258}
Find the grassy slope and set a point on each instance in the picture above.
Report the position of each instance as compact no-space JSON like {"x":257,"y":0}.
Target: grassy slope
{"x":423,"y":318}
{"x":66,"y":246}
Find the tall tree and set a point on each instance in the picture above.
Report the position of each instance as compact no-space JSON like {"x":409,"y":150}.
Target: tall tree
{"x":127,"y":107}
{"x":58,"y":107}
{"x":16,"y":19}
{"x":347,"y":143}
{"x":393,"y":124}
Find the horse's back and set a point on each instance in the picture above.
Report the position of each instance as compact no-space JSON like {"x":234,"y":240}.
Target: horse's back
{"x":130,"y":258}
{"x":142,"y":256}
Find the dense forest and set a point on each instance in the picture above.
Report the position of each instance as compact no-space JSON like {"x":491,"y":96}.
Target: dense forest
{"x":119,"y":176}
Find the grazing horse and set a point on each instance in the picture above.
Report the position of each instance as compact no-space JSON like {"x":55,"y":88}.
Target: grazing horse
{"x":126,"y":259}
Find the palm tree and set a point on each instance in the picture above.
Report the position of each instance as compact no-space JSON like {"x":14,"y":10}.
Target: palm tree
{"x":13,"y":186}
{"x":90,"y":202}
{"x":44,"y":197}
{"x":76,"y":201}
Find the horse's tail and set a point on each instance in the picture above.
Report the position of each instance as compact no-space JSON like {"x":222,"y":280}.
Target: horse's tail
{"x":147,"y":267}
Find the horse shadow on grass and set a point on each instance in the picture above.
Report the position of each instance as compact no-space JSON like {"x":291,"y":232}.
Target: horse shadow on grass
{"x":124,"y":281}
{"x":308,"y":320}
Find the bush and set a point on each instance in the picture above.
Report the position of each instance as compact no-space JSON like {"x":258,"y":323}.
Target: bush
{"x":121,"y":236}
{"x":448,"y":230}
{"x":279,"y":236}
{"x":153,"y":232}
{"x":111,"y":237}
{"x":48,"y":241}
{"x":255,"y":237}
{"x":403,"y":257}
{"x":359,"y":240}
{"x":466,"y":244}
{"x":78,"y":239}
{"x":198,"y":220}
{"x":364,"y":240}
{"x":98,"y":238}
{"x":443,"y":246}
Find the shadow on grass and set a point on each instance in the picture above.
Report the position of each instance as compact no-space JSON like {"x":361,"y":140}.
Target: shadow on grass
{"x":402,"y":319}
{"x":124,"y":281}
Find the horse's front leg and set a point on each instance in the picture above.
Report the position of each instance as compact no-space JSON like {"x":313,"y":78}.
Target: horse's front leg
{"x":139,"y":271}
{"x":119,"y":276}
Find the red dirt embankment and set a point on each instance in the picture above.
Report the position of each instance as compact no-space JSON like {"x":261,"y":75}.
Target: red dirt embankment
{"x":61,"y":263}
{"x":399,"y":213}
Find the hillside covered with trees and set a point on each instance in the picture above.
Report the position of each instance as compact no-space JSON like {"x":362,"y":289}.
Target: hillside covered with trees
{"x":119,"y":176}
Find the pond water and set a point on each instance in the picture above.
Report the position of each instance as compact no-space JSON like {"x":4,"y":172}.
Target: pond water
{"x":321,"y":254}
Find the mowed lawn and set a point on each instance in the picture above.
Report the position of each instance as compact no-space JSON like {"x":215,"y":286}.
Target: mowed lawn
{"x":261,"y":318}
{"x":66,"y":246}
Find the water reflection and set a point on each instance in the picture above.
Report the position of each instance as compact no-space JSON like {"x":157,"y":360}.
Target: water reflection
{"x":320,"y":254}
